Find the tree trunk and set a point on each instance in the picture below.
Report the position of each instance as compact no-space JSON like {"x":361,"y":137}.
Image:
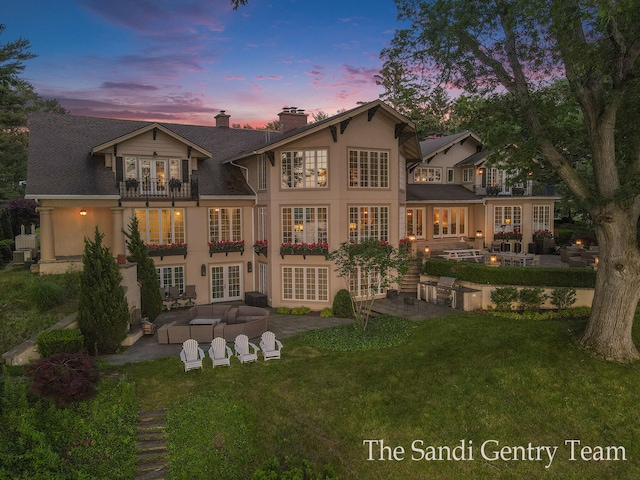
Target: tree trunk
{"x":617,"y":289}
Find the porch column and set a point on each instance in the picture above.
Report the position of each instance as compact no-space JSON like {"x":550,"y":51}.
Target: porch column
{"x":47,"y":244}
{"x":117,"y":242}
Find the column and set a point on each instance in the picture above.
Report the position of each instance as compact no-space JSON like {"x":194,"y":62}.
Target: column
{"x":47,"y":243}
{"x":118,"y":245}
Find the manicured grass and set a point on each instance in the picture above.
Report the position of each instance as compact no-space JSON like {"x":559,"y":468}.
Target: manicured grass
{"x":470,"y":378}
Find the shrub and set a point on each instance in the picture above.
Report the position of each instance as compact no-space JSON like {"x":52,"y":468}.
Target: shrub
{"x":538,"y":277}
{"x":64,"y":377}
{"x":342,"y":304}
{"x":563,"y":297}
{"x":326,"y":313}
{"x":283,"y":310}
{"x":60,"y":340}
{"x":44,"y":294}
{"x":563,"y":237}
{"x":292,"y":468}
{"x":531,"y":298}
{"x":6,"y":250}
{"x":503,"y":297}
{"x":300,"y":310}
{"x":579,"y":313}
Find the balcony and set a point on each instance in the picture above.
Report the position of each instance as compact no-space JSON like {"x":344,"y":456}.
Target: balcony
{"x":503,"y":190}
{"x":147,"y":188}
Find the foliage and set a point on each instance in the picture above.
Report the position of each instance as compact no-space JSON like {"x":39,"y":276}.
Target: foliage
{"x":65,"y":378}
{"x":283,"y":310}
{"x":6,"y":250}
{"x":503,"y":297}
{"x":300,"y":310}
{"x":17,"y":100}
{"x":326,"y":312}
{"x":292,"y":469}
{"x":548,"y":277}
{"x":565,"y":79}
{"x":59,"y":340}
{"x":6,"y":231}
{"x":531,"y":298}
{"x":563,"y":297}
{"x":372,"y":259}
{"x":579,"y":313}
{"x":103,"y":312}
{"x":150,"y":298}
{"x":44,"y":294}
{"x":342,"y":304}
{"x":92,"y":439}
{"x":22,"y":212}
{"x":383,"y":331}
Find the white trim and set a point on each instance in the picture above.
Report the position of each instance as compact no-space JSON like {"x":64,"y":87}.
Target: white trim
{"x":72,"y":197}
{"x":228,"y":197}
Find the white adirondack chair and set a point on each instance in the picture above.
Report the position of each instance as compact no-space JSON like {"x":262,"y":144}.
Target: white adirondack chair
{"x":243,"y":348}
{"x":270,"y":346}
{"x":219,"y":352}
{"x":191,"y":355}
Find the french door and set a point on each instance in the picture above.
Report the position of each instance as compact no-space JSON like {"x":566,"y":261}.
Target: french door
{"x":226,"y":282}
{"x":153,"y":174}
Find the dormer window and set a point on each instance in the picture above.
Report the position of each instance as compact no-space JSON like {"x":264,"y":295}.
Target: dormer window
{"x":427,"y":175}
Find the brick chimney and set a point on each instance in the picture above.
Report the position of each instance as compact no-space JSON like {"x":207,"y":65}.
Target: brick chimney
{"x":292,"y":117}
{"x":222,"y":119}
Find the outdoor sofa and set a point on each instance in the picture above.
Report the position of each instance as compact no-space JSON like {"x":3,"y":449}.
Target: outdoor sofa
{"x":210,"y":321}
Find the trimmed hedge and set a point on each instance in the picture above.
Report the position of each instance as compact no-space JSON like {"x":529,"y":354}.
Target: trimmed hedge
{"x":543,"y":277}
{"x":60,"y":340}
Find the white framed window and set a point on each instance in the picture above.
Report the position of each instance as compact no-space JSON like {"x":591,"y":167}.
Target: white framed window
{"x":541,"y":217}
{"x":450,"y":175}
{"x":161,"y":225}
{"x":304,"y":169}
{"x":305,"y":224}
{"x":427,"y":175}
{"x":361,"y":284}
{"x":467,"y":175}
{"x":305,"y":283}
{"x":262,"y":172}
{"x":415,"y":222}
{"x":263,"y":278}
{"x":368,"y":169}
{"x":262,"y":223}
{"x":368,"y":222}
{"x":450,"y":222}
{"x":171,"y":276}
{"x":225,"y":224}
{"x":507,"y":218}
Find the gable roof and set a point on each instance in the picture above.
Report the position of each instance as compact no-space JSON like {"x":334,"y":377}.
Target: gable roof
{"x":431,"y":146}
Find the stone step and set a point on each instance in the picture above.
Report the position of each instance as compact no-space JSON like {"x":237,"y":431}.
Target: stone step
{"x":151,"y":425}
{"x":151,"y":414}
{"x":151,"y":445}
{"x":156,"y":469}
{"x":151,"y":456}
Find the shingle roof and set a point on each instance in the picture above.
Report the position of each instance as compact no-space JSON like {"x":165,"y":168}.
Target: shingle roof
{"x":60,"y":162}
{"x":433,"y":144}
{"x":440,"y":193}
{"x":473,"y":159}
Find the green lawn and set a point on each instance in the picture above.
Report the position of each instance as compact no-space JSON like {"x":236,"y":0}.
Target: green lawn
{"x":463,"y":378}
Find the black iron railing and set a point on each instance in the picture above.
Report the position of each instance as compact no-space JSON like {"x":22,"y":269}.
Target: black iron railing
{"x":158,"y":188}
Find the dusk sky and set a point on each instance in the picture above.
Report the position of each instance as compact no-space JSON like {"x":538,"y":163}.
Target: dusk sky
{"x":183,"y":61}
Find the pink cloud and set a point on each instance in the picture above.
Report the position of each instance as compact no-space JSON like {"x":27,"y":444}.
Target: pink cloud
{"x":234,"y":77}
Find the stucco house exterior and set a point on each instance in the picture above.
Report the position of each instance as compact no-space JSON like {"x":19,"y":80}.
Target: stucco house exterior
{"x":234,"y":211}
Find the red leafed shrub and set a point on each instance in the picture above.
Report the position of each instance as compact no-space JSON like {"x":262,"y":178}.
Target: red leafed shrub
{"x":64,"y":377}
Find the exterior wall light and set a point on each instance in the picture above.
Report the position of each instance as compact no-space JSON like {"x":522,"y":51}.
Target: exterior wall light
{"x":83,"y":212}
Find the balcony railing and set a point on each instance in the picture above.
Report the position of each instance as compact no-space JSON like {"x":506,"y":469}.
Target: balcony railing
{"x":503,"y":190}
{"x":158,"y":188}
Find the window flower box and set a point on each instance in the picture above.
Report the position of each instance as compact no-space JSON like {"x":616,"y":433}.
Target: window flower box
{"x":167,"y":249}
{"x":504,"y":236}
{"x":226,"y":246}
{"x":175,"y":184}
{"x":519,"y":191}
{"x":304,"y":249}
{"x":261,"y":247}
{"x":131,"y":183}
{"x":494,"y":190}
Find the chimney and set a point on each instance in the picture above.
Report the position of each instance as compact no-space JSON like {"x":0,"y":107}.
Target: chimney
{"x":222,"y":119}
{"x":292,"y":117}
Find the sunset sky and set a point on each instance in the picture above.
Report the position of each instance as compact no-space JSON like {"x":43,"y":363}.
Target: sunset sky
{"x":183,"y":61}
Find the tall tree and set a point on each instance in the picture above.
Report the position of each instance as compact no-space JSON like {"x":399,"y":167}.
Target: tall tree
{"x":519,"y":47}
{"x":103,"y":311}
{"x":17,"y":99}
{"x":150,"y":299}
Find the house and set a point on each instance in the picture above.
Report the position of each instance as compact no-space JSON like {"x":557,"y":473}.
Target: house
{"x":227,"y":210}
{"x":453,"y":196}
{"x":234,"y":211}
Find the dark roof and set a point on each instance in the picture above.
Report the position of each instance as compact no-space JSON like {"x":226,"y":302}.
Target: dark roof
{"x":442,"y":193}
{"x":60,"y":162}
{"x":474,"y":159}
{"x":433,"y":144}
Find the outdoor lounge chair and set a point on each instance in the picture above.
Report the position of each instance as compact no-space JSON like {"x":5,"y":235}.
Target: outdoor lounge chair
{"x":219,"y":352}
{"x":270,"y":346}
{"x":190,"y":295}
{"x":174,"y":294}
{"x":243,"y":348}
{"x":191,"y":355}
